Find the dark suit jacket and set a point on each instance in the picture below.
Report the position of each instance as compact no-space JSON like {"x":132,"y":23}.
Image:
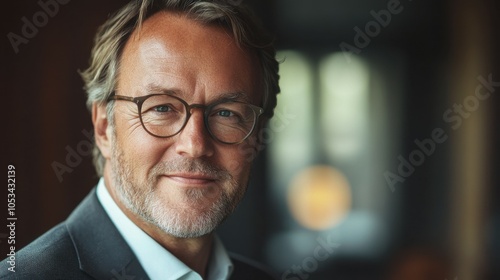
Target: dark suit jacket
{"x":88,"y":246}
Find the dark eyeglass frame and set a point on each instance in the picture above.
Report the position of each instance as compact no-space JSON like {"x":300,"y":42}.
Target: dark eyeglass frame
{"x":258,"y":111}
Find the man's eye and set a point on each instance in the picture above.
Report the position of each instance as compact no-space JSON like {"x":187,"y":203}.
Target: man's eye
{"x":225,"y":113}
{"x":162,"y":109}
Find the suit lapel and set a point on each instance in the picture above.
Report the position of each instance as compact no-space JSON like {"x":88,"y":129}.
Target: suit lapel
{"x":102,"y":251}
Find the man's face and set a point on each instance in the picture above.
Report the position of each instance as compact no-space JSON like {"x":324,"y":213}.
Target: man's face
{"x":185,"y":184}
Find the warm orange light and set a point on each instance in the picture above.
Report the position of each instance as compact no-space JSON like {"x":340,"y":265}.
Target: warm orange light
{"x":319,"y":197}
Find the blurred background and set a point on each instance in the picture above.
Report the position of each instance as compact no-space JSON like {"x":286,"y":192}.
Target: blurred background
{"x":380,"y":161}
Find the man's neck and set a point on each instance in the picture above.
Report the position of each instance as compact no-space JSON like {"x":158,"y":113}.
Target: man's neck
{"x":194,"y":252}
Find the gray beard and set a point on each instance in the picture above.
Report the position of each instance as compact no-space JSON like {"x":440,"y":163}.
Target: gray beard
{"x":141,"y":199}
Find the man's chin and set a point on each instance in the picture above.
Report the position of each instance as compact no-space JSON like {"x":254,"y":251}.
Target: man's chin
{"x":186,"y":225}
{"x":188,"y":217}
{"x":188,"y":234}
{"x":200,"y":200}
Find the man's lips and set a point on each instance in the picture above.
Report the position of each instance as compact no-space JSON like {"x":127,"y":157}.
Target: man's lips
{"x":191,"y":179}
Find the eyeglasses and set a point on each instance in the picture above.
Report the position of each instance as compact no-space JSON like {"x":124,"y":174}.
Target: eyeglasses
{"x":164,"y":115}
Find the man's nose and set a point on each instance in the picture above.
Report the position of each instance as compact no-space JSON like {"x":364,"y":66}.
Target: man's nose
{"x":194,"y":140}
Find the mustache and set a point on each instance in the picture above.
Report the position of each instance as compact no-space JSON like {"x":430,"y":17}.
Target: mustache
{"x":184,"y":165}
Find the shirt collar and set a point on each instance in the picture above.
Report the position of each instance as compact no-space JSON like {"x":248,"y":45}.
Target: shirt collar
{"x":158,"y":262}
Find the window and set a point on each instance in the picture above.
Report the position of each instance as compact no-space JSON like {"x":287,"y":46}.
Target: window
{"x":326,"y":172}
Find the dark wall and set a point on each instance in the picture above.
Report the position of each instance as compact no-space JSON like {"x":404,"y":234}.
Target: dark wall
{"x":47,"y":122}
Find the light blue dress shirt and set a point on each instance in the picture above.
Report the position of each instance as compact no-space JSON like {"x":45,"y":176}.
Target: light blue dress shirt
{"x":158,"y":262}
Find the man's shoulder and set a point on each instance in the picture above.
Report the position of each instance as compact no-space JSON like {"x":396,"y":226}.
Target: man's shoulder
{"x":51,"y":256}
{"x":247,"y":269}
{"x":85,"y":246}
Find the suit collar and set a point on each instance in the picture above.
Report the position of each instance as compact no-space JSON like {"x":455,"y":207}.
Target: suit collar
{"x":102,"y":252}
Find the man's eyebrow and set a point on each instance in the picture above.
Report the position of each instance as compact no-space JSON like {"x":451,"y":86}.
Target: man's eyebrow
{"x":234,"y":96}
{"x":230,"y":96}
{"x":153,"y":88}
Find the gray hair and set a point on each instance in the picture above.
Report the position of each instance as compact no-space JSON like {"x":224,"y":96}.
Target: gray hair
{"x":100,"y":78}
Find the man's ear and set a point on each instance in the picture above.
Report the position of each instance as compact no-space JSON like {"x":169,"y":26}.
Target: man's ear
{"x":102,"y":131}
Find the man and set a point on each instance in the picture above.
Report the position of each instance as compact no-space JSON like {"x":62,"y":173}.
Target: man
{"x":178,"y":91}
